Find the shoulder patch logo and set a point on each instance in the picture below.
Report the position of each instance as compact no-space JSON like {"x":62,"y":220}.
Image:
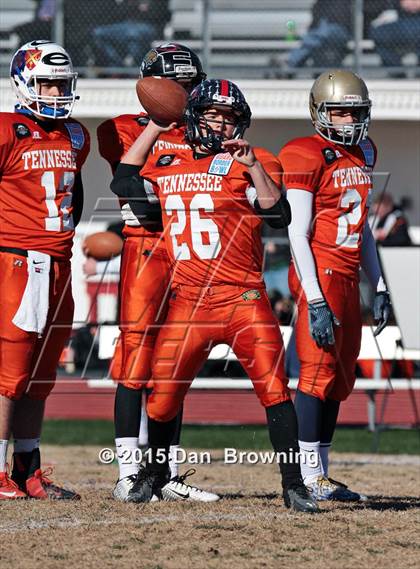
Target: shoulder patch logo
{"x":77,"y":136}
{"x":165,"y":160}
{"x":221,"y":164}
{"x":21,"y":130}
{"x":329,"y":155}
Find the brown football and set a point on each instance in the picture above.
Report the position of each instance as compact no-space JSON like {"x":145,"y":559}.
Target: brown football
{"x":103,"y":245}
{"x":163,"y":100}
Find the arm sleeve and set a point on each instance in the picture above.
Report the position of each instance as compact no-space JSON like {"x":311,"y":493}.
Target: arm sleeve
{"x":78,"y":198}
{"x":109,"y":267}
{"x":299,"y":231}
{"x":128,"y":184}
{"x":277,"y":216}
{"x":370,"y":261}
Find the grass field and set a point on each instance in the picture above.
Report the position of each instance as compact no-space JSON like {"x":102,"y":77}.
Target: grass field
{"x":248,"y":528}
{"x":394,"y":441}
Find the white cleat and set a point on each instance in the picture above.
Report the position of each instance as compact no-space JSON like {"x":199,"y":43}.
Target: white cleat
{"x":176,"y":489}
{"x":123,"y":487}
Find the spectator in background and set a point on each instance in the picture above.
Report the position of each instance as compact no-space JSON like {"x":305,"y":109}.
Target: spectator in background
{"x":330,"y":30}
{"x":131,"y":28}
{"x":282,"y":306}
{"x":394,"y":39}
{"x":389,"y":226}
{"x":41,"y":26}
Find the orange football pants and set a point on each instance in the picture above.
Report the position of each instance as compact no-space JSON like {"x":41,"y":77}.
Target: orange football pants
{"x":329,"y":372}
{"x":199,"y":319}
{"x":28,"y":364}
{"x":144,"y":292}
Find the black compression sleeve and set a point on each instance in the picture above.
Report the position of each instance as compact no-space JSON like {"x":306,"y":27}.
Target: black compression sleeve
{"x":277,"y":216}
{"x":129,"y":185}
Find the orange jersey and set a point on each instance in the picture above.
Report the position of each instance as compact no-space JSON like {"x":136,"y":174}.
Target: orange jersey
{"x":116,"y":136}
{"x":212,"y":233}
{"x":37,"y":172}
{"x":340,"y":179}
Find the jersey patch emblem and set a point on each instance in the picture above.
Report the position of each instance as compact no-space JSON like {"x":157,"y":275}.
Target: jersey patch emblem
{"x":165,"y":160}
{"x":329,"y":155}
{"x":77,"y":136}
{"x":21,"y":130}
{"x":221,"y":164}
{"x":251,"y":295}
{"x":142,"y":121}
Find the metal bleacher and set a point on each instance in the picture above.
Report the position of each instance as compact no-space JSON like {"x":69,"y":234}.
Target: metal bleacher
{"x":245,"y":36}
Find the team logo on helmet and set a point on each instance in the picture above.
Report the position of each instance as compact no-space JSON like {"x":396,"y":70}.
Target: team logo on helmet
{"x":32,"y":56}
{"x":150,"y":58}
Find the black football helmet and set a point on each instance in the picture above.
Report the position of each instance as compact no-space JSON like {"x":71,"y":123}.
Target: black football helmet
{"x":214,"y":93}
{"x":173,"y":61}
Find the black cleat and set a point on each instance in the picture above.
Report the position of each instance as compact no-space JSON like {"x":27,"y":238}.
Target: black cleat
{"x":298,"y":499}
{"x":148,"y":485}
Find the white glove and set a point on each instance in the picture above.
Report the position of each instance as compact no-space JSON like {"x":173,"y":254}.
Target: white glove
{"x":128,"y":216}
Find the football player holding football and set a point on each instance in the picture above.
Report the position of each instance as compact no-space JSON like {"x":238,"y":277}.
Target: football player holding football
{"x":328,"y":177}
{"x":42,"y":151}
{"x":211,"y":198}
{"x":144,"y":278}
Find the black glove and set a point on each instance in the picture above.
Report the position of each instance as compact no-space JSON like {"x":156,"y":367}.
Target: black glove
{"x":321,"y":322}
{"x":381,"y":310}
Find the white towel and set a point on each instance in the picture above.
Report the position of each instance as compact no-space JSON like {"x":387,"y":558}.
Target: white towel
{"x":33,"y":310}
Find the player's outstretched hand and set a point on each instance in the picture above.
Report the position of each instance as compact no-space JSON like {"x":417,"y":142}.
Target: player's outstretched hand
{"x":381,"y":310}
{"x":321,"y":323}
{"x":240,"y":150}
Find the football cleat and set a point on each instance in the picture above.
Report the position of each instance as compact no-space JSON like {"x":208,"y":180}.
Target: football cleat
{"x":148,"y":485}
{"x":40,"y":487}
{"x":323,"y":489}
{"x":298,"y":499}
{"x":9,"y":490}
{"x":176,"y":489}
{"x":123,"y":487}
{"x":343,"y":487}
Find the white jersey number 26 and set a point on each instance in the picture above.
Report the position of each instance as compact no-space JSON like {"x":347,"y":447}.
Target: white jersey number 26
{"x":199,"y":227}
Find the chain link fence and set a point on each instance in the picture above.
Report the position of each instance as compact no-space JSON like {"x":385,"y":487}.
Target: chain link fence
{"x":235,"y":38}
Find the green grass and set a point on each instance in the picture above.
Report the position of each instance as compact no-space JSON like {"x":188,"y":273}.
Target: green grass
{"x":393,"y":441}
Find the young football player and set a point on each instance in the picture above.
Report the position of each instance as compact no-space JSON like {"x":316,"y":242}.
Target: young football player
{"x":145,"y":278}
{"x":328,"y":177}
{"x":210,"y":198}
{"x":42,"y":151}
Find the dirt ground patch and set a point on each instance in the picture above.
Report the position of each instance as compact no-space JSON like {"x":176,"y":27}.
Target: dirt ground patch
{"x":249,"y":528}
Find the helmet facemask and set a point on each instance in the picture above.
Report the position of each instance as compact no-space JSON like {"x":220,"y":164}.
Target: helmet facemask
{"x":345,"y":134}
{"x":206,"y":96}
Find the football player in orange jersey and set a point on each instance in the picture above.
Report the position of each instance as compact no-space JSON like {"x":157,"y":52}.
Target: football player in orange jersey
{"x":328,"y":177}
{"x":145,"y":277}
{"x":211,"y":199}
{"x":42,"y":151}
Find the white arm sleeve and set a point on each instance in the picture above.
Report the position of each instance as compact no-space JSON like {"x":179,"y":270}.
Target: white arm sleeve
{"x":370,"y":262}
{"x":299,"y":231}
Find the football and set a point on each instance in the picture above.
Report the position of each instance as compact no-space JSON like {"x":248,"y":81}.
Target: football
{"x":163,"y":100}
{"x":103,"y":245}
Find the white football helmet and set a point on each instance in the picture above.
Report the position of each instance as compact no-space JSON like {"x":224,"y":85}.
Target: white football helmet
{"x":43,"y":59}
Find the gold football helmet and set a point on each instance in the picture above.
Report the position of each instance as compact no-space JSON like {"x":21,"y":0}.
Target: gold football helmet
{"x":340,"y":89}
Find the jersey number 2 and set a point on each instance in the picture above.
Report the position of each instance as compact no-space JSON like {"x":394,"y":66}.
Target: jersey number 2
{"x":344,"y":237}
{"x":54,"y":221}
{"x":199,"y":225}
